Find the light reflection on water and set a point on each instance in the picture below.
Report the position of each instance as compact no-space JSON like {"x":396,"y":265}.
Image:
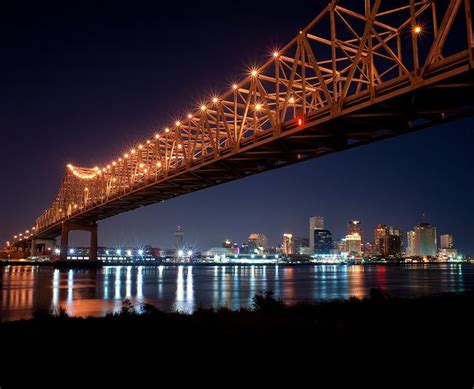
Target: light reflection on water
{"x":185,"y":288}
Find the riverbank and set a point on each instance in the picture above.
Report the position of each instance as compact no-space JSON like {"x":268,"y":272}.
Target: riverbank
{"x":388,"y":335}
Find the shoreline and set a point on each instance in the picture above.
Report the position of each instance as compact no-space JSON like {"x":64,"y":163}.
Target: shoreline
{"x":99,"y":264}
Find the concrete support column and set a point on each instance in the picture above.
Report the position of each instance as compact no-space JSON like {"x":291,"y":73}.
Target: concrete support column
{"x":93,"y":245}
{"x":33,"y":248}
{"x":64,"y":242}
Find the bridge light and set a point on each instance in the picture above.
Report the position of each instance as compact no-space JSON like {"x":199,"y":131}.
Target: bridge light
{"x":178,"y":123}
{"x":132,"y":151}
{"x":190,"y":253}
{"x":96,"y":168}
{"x":180,"y":253}
{"x":190,"y":116}
{"x":157,"y":136}
{"x":235,"y":86}
{"x":203,"y":108}
{"x":70,"y":166}
{"x":125,"y":155}
{"x":292,"y":100}
{"x":417,"y":29}
{"x":180,"y":146}
{"x":158,"y":164}
{"x":300,"y":122}
{"x":167,"y":129}
{"x":140,"y":147}
{"x":119,"y":252}
{"x":276,"y":54}
{"x":57,"y":251}
{"x":141,"y":166}
{"x":140,"y":252}
{"x":215,"y":100}
{"x":254,"y":72}
{"x":258,"y":107}
{"x":114,"y":163}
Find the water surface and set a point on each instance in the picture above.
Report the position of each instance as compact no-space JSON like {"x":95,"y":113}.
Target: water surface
{"x":25,"y":289}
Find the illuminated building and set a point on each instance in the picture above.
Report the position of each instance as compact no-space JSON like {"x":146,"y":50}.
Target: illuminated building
{"x":322,"y":242}
{"x":446,"y":241}
{"x":288,"y":247}
{"x":315,"y":223}
{"x":351,"y":244}
{"x":411,"y":243}
{"x":425,"y":240}
{"x":379,"y":233}
{"x":179,"y":238}
{"x":301,"y":243}
{"x":354,"y":227}
{"x":257,"y":243}
{"x":388,"y":240}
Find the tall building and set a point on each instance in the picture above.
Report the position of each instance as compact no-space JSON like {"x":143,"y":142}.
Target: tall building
{"x":257,"y":242}
{"x":379,"y":233}
{"x":410,"y":243}
{"x":301,"y":243}
{"x":322,"y":242}
{"x":388,"y":240}
{"x":425,"y":240}
{"x":179,"y":238}
{"x":315,"y":223}
{"x":392,"y":245}
{"x":352,"y":244}
{"x":354,"y":227}
{"x":288,"y":247}
{"x":446,"y":241}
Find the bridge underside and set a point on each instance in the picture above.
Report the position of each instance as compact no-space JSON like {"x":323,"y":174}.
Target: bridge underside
{"x":447,"y":96}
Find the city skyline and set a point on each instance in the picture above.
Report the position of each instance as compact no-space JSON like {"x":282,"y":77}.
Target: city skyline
{"x":418,"y":171}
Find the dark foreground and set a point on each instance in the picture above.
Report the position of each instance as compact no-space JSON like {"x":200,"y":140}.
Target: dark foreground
{"x":427,"y":338}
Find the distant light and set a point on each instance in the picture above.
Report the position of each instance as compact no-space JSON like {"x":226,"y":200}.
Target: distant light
{"x":180,"y":253}
{"x":71,"y":251}
{"x":140,"y":252}
{"x":190,"y":253}
{"x":57,"y":251}
{"x":252,"y":256}
{"x":106,"y":252}
{"x":119,"y":252}
{"x":129,"y":252}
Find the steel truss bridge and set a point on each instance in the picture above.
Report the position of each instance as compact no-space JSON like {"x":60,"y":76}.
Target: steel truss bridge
{"x":361,"y":71}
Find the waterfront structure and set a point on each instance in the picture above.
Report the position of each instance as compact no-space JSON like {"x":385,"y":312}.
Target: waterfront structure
{"x":425,"y":240}
{"x":388,"y":240}
{"x":287,"y":246}
{"x":323,"y":244}
{"x":446,"y":241}
{"x":274,"y":116}
{"x":315,"y":223}
{"x":179,"y":238}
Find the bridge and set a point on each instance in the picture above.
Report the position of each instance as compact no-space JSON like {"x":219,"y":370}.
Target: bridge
{"x":361,"y":71}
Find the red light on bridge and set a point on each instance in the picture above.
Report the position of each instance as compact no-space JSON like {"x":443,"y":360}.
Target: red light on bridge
{"x":300,"y":122}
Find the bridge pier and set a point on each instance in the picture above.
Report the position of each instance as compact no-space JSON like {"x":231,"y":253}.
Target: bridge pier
{"x":68,"y":227}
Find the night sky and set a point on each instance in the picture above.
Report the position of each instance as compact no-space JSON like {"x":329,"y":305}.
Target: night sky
{"x":81,"y":83}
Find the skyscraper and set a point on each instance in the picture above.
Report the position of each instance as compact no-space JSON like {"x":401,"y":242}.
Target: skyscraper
{"x":425,"y":240}
{"x":300,"y":243}
{"x":288,"y":247}
{"x":354,"y":227}
{"x":446,"y":241}
{"x":178,"y":238}
{"x":379,"y":233}
{"x":322,"y":242}
{"x":315,"y":222}
{"x":410,"y":243}
{"x":392,"y":245}
{"x":351,"y":244}
{"x":257,"y":242}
